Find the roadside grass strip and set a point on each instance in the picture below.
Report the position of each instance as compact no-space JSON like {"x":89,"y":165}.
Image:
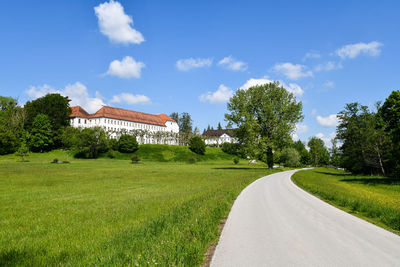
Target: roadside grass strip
{"x":374,"y":198}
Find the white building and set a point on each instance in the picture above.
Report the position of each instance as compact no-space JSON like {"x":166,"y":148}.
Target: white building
{"x":116,"y":121}
{"x":218,"y":137}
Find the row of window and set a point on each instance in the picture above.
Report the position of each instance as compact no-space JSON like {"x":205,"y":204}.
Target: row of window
{"x":124,"y":123}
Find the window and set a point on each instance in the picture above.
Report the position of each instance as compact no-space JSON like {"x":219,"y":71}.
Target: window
{"x":79,"y":120}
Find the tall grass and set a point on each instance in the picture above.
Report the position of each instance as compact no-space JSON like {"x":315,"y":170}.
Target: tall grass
{"x":111,"y":212}
{"x":374,"y":198}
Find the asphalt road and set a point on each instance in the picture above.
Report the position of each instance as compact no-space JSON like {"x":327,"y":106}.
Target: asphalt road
{"x":275,"y":223}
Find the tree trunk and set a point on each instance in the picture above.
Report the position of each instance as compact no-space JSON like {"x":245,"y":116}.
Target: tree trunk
{"x":270,"y":158}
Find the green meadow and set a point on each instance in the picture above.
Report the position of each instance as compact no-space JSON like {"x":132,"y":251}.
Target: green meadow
{"x":111,"y":212}
{"x":374,"y":198}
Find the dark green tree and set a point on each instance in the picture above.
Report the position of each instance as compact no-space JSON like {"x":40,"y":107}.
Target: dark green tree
{"x":8,"y":140}
{"x":219,"y":126}
{"x":22,"y":151}
{"x":11,"y":125}
{"x":197,"y":145}
{"x":175,"y":116}
{"x":127,"y":144}
{"x":305,"y":158}
{"x":265,"y":116}
{"x":185,"y":123}
{"x":40,"y":138}
{"x":91,"y":142}
{"x":319,"y":153}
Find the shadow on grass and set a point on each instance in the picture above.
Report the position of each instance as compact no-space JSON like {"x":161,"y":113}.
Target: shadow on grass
{"x":233,"y":168}
{"x":335,"y":174}
{"x":373,"y":181}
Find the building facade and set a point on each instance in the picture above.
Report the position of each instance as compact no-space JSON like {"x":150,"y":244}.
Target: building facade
{"x":218,"y":137}
{"x":148,"y":128}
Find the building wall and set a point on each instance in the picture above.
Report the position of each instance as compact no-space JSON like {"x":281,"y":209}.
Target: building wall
{"x":220,"y":140}
{"x":115,"y":127}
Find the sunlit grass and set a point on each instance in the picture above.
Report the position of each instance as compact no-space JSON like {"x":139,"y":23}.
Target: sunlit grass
{"x":374,"y":198}
{"x":112,"y":212}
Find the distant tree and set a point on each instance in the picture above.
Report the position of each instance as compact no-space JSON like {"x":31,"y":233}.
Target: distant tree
{"x":208,"y":127}
{"x":40,"y":138}
{"x":185,"y":123}
{"x":197,"y":145}
{"x":68,"y":136}
{"x":196,"y":131}
{"x":175,"y":116}
{"x":91,"y":142}
{"x":11,"y":125}
{"x":127,"y":144}
{"x":319,"y":153}
{"x":55,"y":106}
{"x":265,"y":116}
{"x":336,"y":159}
{"x":6,"y":103}
{"x":219,"y":126}
{"x":8,"y":140}
{"x":290,"y":157}
{"x":305,"y":158}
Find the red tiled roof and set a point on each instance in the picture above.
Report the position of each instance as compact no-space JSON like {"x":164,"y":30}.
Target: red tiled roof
{"x":218,"y":133}
{"x":122,"y":114}
{"x":77,"y":111}
{"x":165,"y":117}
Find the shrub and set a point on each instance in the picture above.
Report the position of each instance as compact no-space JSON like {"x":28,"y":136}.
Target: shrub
{"x":22,"y":151}
{"x":232,"y":149}
{"x":65,"y":161}
{"x":192,"y":160}
{"x":113,"y":144}
{"x":290,"y":157}
{"x":127,"y":144}
{"x":111,"y":154}
{"x":197,"y":145}
{"x":236,"y":160}
{"x":91,"y":142}
{"x":135,"y":159}
{"x":55,"y":161}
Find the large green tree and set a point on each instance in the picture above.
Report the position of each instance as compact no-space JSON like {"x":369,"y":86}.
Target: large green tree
{"x":265,"y":116}
{"x":11,"y":124}
{"x":319,"y":153}
{"x":305,"y":158}
{"x":55,"y":106}
{"x":90,"y":142}
{"x":40,"y":136}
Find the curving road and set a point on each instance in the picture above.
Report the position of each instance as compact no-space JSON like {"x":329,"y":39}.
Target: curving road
{"x":275,"y":223}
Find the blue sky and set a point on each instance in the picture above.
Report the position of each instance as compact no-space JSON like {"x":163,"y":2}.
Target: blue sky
{"x":190,"y":56}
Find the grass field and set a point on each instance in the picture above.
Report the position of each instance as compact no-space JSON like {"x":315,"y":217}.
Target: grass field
{"x":376,"y":199}
{"x":111,"y":212}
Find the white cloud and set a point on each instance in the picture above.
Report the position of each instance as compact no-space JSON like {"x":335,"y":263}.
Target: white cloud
{"x":127,"y":68}
{"x":223,"y":94}
{"x":312,"y":55}
{"x":130,"y":99}
{"x":326,"y":138}
{"x":192,"y":63}
{"x":313,"y":112}
{"x":77,"y":92}
{"x":354,"y":50}
{"x":233,"y":64}
{"x":116,"y":25}
{"x":301,"y":128}
{"x":329,"y":121}
{"x":329,"y":84}
{"x":291,"y":87}
{"x":328,"y":66}
{"x":292,"y":71}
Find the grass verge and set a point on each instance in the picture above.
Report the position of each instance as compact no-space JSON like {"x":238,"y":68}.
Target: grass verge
{"x":374,"y":198}
{"x":111,"y":212}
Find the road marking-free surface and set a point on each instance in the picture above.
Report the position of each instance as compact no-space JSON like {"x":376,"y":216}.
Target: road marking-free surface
{"x":275,"y":223}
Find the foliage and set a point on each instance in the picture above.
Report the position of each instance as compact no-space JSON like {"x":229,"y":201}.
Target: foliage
{"x":305,"y":157}
{"x":127,"y":144}
{"x":365,"y":144}
{"x":192,"y":160}
{"x":113,"y":143}
{"x":197,"y":145}
{"x":22,"y":151}
{"x":11,"y":125}
{"x":372,"y":197}
{"x":40,"y":138}
{"x":85,"y":214}
{"x":69,"y":136}
{"x":290,"y":157}
{"x":91,"y":142}
{"x":219,"y":126}
{"x":265,"y":117}
{"x":236,"y":160}
{"x":232,"y":148}
{"x":55,"y":106}
{"x":8,"y":140}
{"x":111,"y":153}
{"x":135,"y":159}
{"x":55,"y":160}
{"x":318,"y":152}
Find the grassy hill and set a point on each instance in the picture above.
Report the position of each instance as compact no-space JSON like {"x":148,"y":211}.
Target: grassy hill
{"x":167,"y":153}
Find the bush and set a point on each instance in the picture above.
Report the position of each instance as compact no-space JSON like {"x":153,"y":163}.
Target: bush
{"x":113,"y":144}
{"x":192,"y":160}
{"x":135,"y":159}
{"x":111,"y":154}
{"x":197,"y":145}
{"x":232,"y":149}
{"x":22,"y":151}
{"x":236,"y":160}
{"x":55,"y":161}
{"x":91,"y":142}
{"x":290,"y":157}
{"x":127,"y":144}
